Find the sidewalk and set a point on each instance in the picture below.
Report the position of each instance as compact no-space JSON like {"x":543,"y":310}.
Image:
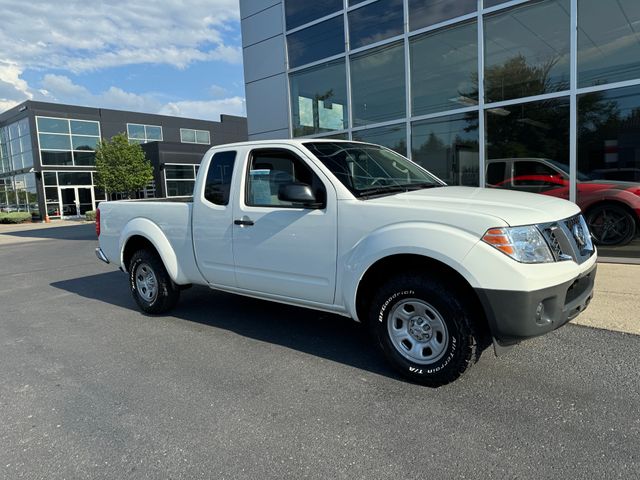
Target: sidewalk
{"x":615,"y":306}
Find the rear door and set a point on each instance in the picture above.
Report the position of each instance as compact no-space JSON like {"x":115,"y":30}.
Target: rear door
{"x":282,"y":248}
{"x":213,"y":220}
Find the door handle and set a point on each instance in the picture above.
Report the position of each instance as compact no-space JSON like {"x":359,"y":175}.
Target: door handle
{"x":244,"y":222}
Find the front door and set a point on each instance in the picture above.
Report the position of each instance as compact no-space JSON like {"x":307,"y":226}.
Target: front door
{"x":76,"y":201}
{"x":281,"y":248}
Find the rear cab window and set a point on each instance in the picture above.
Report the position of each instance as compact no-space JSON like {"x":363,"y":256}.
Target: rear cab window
{"x":217,"y":185}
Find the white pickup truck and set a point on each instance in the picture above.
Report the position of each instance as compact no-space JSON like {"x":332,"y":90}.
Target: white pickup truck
{"x":435,"y":272}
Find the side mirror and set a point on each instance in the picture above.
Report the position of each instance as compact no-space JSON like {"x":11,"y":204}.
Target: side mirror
{"x":297,"y":193}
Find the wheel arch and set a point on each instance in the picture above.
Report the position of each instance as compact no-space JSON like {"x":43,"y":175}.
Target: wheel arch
{"x":143,"y":233}
{"x":402,"y":263}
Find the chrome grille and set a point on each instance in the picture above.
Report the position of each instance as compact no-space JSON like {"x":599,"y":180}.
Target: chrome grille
{"x":568,"y":239}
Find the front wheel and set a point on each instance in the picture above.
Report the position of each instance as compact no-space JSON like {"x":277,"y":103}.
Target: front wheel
{"x":425,"y":329}
{"x":151,"y":287}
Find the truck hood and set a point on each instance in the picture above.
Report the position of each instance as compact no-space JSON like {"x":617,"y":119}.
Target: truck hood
{"x":514,"y":208}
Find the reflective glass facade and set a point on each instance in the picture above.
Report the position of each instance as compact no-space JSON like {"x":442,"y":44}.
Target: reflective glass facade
{"x":484,"y":93}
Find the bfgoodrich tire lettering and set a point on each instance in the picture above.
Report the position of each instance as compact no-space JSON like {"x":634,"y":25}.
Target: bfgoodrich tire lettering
{"x":151,"y":287}
{"x":424,"y":327}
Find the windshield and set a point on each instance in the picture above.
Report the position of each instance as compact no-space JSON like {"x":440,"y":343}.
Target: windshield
{"x":565,"y":168}
{"x":367,"y":169}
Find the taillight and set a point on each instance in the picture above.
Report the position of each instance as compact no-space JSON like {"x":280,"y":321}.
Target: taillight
{"x":98,"y":222}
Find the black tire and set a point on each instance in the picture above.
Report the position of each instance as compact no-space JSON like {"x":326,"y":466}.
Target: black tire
{"x":611,"y":224}
{"x":454,"y":344}
{"x":143,"y":267}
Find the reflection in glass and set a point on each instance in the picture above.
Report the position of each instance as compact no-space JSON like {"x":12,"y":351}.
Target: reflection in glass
{"x":393,"y":137}
{"x":53,"y":125}
{"x":56,"y":158}
{"x":425,"y":13}
{"x":187,"y":135}
{"x":82,"y":127}
{"x":84,"y":158}
{"x":375,"y":22}
{"x":493,"y":3}
{"x":74,"y":178}
{"x":444,"y":69}
{"x":203,"y":137}
{"x":54,"y":142}
{"x":527,"y":50}
{"x":180,"y":188}
{"x":319,"y":99}
{"x":299,"y":12}
{"x":528,"y":147}
{"x":608,"y":153}
{"x":384,"y":98}
{"x":319,"y":41}
{"x":608,"y":41}
{"x":135,"y":131}
{"x":153,"y":133}
{"x":84,"y":143}
{"x":448,"y":147}
{"x":179,"y":172}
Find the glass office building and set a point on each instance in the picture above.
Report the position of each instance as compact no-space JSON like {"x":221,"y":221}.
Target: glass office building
{"x":47,"y":154}
{"x":538,"y":96}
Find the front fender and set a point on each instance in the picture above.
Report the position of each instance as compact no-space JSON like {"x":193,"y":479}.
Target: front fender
{"x":152,"y":232}
{"x":439,"y":242}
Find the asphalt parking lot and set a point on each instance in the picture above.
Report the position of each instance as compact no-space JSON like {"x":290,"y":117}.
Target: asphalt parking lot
{"x":232,"y":388}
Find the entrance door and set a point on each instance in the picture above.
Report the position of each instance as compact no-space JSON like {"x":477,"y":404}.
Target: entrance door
{"x":76,"y":201}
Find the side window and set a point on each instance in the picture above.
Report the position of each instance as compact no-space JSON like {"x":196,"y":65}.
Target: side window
{"x":533,"y":173}
{"x":271,"y":169}
{"x":218,"y":183}
{"x":495,"y":173}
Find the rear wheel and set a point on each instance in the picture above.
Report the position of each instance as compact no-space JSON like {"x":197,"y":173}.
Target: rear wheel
{"x":611,"y":224}
{"x":151,"y":287}
{"x":425,"y":329}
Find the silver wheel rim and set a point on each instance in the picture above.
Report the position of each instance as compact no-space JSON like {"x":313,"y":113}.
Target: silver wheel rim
{"x":146,"y":282}
{"x":417,"y":331}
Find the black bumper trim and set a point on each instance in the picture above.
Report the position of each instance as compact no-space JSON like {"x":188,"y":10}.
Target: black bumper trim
{"x":513,"y":315}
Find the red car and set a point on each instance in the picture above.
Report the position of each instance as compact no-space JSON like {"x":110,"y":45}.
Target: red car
{"x":611,"y":208}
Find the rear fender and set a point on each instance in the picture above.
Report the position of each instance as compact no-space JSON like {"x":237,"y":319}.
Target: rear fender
{"x":150,"y":231}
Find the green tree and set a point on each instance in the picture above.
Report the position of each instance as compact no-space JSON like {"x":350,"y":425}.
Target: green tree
{"x":122,"y":167}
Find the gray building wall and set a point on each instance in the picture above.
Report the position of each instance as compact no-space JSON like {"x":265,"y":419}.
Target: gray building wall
{"x":263,"y":45}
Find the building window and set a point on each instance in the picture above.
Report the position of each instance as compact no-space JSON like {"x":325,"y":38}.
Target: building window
{"x":67,"y":142}
{"x":70,"y":194}
{"x":15,"y":146}
{"x":382,"y":99}
{"x":444,"y":69}
{"x":316,"y":42}
{"x":608,"y":51}
{"x":527,"y":50}
{"x":319,"y":99}
{"x":189,"y":135}
{"x":143,"y":133}
{"x":529,"y":135}
{"x":179,"y":179}
{"x":608,"y":188}
{"x":375,"y":22}
{"x":448,"y":147}
{"x":299,"y":12}
{"x":393,"y":137}
{"x":425,"y":13}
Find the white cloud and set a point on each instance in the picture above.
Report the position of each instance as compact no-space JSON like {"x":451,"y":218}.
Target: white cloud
{"x":61,"y":89}
{"x":208,"y":110}
{"x":77,"y":36}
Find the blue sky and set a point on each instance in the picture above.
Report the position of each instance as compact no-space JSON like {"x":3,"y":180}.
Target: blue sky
{"x":175,"y":57}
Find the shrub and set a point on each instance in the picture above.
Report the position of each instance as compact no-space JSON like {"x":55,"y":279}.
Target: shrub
{"x":15,"y":217}
{"x":90,"y":215}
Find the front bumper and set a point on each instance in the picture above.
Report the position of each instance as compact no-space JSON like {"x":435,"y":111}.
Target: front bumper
{"x":514,"y":316}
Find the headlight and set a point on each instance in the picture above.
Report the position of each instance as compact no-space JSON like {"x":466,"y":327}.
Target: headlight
{"x":524,"y":244}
